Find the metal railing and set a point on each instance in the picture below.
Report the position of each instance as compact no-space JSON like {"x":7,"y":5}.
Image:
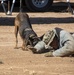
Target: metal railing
{"x":9,"y":12}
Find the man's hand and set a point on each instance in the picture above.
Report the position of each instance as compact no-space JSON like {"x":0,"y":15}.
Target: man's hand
{"x":33,"y":49}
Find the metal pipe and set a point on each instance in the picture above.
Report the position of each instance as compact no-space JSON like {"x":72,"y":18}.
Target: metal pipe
{"x":12,"y":5}
{"x":2,"y":2}
{"x":20,"y":5}
{"x":9,"y":12}
{"x":69,"y":6}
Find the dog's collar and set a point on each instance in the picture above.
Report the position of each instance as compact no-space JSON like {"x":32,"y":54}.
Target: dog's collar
{"x":27,"y":29}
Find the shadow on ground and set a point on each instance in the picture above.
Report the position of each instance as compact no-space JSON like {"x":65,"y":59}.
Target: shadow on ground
{"x":9,"y":21}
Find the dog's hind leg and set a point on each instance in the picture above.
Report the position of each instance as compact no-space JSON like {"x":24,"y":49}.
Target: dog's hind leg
{"x":16,"y":34}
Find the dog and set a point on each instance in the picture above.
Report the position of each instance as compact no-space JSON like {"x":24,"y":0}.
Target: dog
{"x":27,"y":34}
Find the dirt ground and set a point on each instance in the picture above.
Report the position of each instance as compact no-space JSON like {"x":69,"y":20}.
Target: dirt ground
{"x":19,"y":62}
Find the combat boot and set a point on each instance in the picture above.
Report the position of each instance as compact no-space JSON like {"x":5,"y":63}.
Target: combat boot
{"x":49,"y":54}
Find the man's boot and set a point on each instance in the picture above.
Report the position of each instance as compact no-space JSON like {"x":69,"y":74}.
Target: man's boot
{"x":49,"y":54}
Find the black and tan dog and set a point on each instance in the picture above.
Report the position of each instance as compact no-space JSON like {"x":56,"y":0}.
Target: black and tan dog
{"x":23,"y":25}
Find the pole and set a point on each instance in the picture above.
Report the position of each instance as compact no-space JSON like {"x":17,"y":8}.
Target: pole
{"x":12,"y":6}
{"x":69,"y":6}
{"x":20,"y":5}
{"x":9,"y":12}
{"x":2,"y":2}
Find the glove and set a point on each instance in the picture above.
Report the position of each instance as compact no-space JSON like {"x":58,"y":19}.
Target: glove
{"x":33,"y":49}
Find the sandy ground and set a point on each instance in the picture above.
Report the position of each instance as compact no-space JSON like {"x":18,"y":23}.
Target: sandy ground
{"x":19,"y":62}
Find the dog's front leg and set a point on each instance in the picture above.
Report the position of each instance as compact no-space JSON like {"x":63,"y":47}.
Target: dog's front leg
{"x":24,"y":47}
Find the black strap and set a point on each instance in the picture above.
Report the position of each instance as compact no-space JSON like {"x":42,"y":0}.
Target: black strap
{"x":58,"y":30}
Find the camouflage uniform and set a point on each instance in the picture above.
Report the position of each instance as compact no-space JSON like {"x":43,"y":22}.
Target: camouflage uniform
{"x":65,"y":39}
{"x":66,"y":43}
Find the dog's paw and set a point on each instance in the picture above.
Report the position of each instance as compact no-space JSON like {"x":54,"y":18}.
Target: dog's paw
{"x":24,"y":48}
{"x":15,"y":47}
